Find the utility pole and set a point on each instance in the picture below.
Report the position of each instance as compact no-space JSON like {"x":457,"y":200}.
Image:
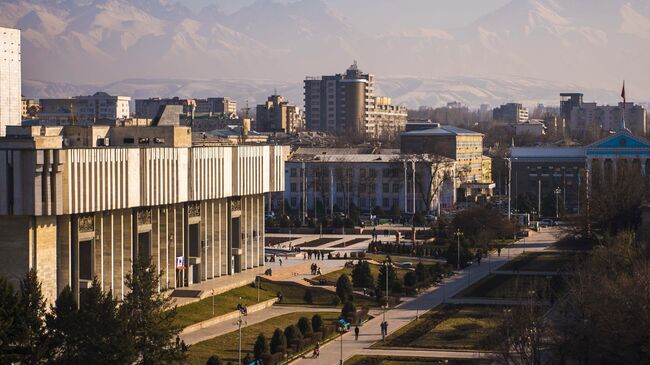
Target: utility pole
{"x":557,"y":202}
{"x":509,"y":163}
{"x":458,"y":234}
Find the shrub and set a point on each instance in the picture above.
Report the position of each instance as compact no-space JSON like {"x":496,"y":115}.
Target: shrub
{"x":278,"y":341}
{"x":421,"y":272}
{"x":308,"y":298}
{"x":293,"y":334}
{"x":304,"y":325}
{"x":317,"y":323}
{"x":261,"y":346}
{"x":361,"y":275}
{"x":349,"y":312}
{"x":214,"y":360}
{"x":344,"y":289}
{"x":336,"y":300}
{"x":410,"y":279}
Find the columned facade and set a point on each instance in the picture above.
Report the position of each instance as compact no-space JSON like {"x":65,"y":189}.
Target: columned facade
{"x":81,"y":213}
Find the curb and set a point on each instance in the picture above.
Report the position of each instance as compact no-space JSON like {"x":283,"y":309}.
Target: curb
{"x":228,"y":316}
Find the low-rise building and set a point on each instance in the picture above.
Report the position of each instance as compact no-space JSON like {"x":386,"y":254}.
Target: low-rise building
{"x":337,"y":178}
{"x":538,"y":172}
{"x":97,"y":108}
{"x":532,"y":127}
{"x":462,"y":145}
{"x":75,"y":206}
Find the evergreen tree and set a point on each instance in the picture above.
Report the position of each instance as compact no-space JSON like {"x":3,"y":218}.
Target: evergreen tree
{"x":214,"y":360}
{"x":392,"y":277}
{"x":304,"y":325}
{"x":278,"y":341}
{"x":410,"y":280}
{"x":421,"y":272}
{"x":344,"y":289}
{"x":349,"y":312}
{"x":8,"y":322}
{"x":151,"y":317}
{"x":93,"y":333}
{"x":293,"y":334}
{"x":261,"y":347}
{"x":27,"y":342}
{"x":361,"y":275}
{"x":317,"y":323}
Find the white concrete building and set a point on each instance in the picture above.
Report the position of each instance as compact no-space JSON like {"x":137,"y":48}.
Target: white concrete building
{"x":10,"y":78}
{"x":101,"y":106}
{"x":75,"y":207}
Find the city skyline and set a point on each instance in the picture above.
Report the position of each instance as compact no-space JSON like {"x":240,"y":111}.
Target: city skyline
{"x":500,"y":51}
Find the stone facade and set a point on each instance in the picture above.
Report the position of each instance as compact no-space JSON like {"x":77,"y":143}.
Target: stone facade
{"x":87,"y":211}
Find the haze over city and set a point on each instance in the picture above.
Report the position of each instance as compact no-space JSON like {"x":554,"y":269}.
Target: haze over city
{"x":424,"y":52}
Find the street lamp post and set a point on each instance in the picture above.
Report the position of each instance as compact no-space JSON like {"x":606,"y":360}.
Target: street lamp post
{"x":557,"y":202}
{"x":458,"y":234}
{"x":342,"y":332}
{"x":212,"y":302}
{"x":240,"y":323}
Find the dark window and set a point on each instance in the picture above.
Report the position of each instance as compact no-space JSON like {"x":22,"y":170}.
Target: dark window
{"x":144,"y":244}
{"x":194,"y":240}
{"x":86,"y":260}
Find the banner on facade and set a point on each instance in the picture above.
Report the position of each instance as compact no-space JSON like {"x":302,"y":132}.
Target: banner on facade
{"x":180,"y":263}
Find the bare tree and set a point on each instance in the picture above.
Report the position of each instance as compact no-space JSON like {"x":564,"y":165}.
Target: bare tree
{"x":431,"y":172}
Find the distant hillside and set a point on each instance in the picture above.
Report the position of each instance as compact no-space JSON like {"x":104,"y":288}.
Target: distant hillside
{"x":410,"y":92}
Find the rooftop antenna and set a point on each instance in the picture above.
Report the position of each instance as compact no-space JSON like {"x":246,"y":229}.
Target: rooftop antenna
{"x":246,"y":109}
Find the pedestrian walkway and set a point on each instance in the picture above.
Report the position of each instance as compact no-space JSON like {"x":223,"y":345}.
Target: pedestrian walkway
{"x":493,"y":301}
{"x":524,"y":272}
{"x":407,"y":311}
{"x":437,"y":354}
{"x":228,"y":326}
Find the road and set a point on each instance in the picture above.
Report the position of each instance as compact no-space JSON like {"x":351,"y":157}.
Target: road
{"x":404,"y":313}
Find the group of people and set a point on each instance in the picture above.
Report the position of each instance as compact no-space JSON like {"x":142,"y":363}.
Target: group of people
{"x":315,"y":269}
{"x":242,"y":309}
{"x":375,"y":234}
{"x":316,"y":254}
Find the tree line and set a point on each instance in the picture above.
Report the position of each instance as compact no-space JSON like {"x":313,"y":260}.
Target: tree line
{"x":94,"y":328}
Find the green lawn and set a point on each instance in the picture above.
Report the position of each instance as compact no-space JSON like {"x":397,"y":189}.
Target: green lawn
{"x":226,"y":346}
{"x":448,"y":326}
{"x":292,"y":293}
{"x":394,"y":360}
{"x":401,"y":259}
{"x":331,"y":277}
{"x":541,"y":261}
{"x":512,"y":287}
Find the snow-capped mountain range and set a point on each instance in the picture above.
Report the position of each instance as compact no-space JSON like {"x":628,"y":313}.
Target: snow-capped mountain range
{"x":527,"y":50}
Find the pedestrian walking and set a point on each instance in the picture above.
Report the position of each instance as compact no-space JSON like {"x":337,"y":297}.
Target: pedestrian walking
{"x":356,"y":333}
{"x":280,"y":260}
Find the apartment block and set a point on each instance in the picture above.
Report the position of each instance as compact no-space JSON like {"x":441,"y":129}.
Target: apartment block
{"x":510,"y":113}
{"x":10,"y":78}
{"x":277,"y":115}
